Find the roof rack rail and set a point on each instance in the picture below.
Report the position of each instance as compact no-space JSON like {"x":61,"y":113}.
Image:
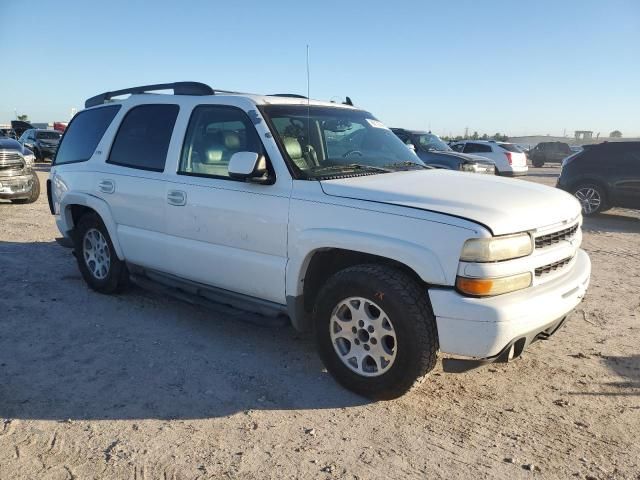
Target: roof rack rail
{"x":290,"y":95}
{"x":179,"y":88}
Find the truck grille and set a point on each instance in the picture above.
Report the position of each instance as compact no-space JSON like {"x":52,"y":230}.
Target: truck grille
{"x":10,"y":161}
{"x":556,"y":237}
{"x":552,"y":267}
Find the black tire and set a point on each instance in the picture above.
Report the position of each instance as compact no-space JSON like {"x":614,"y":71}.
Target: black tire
{"x":538,"y":163}
{"x":117,"y":275}
{"x":35,"y":192}
{"x":38,"y":155}
{"x":599,"y":192}
{"x":405,"y":303}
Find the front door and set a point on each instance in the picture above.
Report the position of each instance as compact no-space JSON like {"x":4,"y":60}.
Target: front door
{"x":224,"y":232}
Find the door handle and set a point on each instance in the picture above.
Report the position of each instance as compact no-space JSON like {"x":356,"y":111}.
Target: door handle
{"x":177,"y":198}
{"x":107,"y":186}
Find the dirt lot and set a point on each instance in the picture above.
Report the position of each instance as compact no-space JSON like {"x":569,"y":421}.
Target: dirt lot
{"x":143,"y":387}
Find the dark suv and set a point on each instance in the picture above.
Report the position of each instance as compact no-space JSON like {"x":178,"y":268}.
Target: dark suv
{"x":43,"y":143}
{"x":603,"y":176}
{"x":549,"y":152}
{"x":434,"y":152}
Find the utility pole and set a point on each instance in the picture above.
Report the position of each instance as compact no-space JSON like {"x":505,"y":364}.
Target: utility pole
{"x":466,"y":132}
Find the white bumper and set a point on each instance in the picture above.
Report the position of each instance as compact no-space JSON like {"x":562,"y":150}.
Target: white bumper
{"x":483,"y":327}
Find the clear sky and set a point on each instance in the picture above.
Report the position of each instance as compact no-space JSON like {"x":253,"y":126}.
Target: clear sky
{"x":520,"y":67}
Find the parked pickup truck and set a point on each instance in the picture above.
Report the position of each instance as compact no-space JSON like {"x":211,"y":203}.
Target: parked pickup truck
{"x":269,"y":204}
{"x":18,"y":181}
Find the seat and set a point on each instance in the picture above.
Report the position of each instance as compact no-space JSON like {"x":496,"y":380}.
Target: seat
{"x":294,"y":149}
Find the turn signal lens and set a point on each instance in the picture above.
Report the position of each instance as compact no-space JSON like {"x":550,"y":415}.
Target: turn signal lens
{"x":482,"y":287}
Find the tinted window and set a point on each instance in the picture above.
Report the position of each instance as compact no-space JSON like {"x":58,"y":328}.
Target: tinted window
{"x":84,"y":133}
{"x":509,"y":147}
{"x":214,"y":134}
{"x":458,"y":147}
{"x":476,"y":148}
{"x":48,"y":135}
{"x":143,"y":138}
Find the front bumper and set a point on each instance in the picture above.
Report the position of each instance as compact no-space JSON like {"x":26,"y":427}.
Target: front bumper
{"x":16,"y":187}
{"x":483,"y":328}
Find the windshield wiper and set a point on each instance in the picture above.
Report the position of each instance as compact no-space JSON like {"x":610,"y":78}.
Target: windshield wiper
{"x":354,"y":166}
{"x":408,"y":164}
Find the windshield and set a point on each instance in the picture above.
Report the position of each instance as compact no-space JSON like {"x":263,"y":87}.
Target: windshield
{"x":48,"y":135}
{"x":429,"y":141}
{"x":321,"y":142}
{"x":510,"y":147}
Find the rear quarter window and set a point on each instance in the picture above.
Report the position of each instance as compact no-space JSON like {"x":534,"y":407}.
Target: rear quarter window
{"x":83,"y":134}
{"x":510,"y":147}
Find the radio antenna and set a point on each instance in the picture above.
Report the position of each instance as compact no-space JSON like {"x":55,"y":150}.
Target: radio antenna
{"x":308,"y":107}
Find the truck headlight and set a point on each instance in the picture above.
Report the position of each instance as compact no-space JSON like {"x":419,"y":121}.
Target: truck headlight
{"x":29,"y":159}
{"x":497,"y":248}
{"x":467,"y":167}
{"x":484,"y":287}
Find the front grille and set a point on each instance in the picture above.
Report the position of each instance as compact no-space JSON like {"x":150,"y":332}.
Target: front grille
{"x":552,"y":267}
{"x":556,"y":237}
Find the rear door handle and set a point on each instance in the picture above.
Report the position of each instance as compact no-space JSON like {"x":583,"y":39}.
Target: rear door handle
{"x":107,"y":186}
{"x":177,"y":198}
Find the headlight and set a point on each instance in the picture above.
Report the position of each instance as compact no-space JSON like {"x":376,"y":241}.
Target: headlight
{"x":483,"y":287}
{"x":467,"y":167}
{"x":497,"y":248}
{"x":29,"y":159}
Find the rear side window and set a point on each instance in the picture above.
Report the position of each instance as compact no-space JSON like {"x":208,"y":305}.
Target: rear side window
{"x":143,"y":138}
{"x":476,"y":148}
{"x":83,"y":134}
{"x":509,"y":147}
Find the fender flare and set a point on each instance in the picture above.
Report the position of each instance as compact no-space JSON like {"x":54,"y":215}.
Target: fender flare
{"x":99,"y":206}
{"x":420,"y":259}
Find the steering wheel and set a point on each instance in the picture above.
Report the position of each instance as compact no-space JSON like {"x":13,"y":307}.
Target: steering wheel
{"x":353,"y":152}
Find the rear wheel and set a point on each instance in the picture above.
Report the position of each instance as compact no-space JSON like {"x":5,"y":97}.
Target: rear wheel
{"x":538,"y":163}
{"x":101,"y":268}
{"x":375,"y":330}
{"x":591,"y":197}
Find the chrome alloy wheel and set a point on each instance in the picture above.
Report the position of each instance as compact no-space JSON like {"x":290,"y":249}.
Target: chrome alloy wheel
{"x":97,"y":256}
{"x":363,"y":336}
{"x":589,"y":198}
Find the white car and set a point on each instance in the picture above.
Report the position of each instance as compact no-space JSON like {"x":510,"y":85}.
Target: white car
{"x":508,"y":157}
{"x":272,"y":205}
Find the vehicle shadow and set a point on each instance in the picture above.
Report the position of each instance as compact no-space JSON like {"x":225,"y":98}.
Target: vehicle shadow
{"x":67,"y":352}
{"x":628,"y":368}
{"x":614,"y":220}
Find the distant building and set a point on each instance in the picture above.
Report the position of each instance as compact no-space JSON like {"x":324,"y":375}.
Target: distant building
{"x":584,"y":135}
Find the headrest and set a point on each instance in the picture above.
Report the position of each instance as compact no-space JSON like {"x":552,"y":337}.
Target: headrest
{"x":231,"y":140}
{"x":212,"y":155}
{"x":293,"y":148}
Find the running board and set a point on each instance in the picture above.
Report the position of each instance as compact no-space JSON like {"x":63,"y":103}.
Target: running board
{"x":229,"y":304}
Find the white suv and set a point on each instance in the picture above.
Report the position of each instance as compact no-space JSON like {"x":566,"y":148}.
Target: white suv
{"x":509,"y":159}
{"x":282,"y":206}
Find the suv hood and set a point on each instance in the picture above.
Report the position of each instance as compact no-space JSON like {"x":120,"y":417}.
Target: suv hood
{"x":503,"y":205}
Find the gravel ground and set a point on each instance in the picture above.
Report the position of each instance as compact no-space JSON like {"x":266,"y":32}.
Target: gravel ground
{"x":143,"y":387}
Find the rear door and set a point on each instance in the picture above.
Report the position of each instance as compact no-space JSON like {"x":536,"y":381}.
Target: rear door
{"x":625,"y":169}
{"x":132,"y":182}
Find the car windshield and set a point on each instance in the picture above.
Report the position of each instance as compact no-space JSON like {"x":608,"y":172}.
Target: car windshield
{"x":322,"y":142}
{"x":48,"y":135}
{"x":429,"y":141}
{"x":510,"y":147}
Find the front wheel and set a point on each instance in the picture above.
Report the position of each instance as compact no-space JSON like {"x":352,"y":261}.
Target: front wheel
{"x":591,"y":197}
{"x":375,"y":330}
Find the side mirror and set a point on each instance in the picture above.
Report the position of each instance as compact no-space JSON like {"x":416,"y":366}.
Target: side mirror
{"x":248,"y":166}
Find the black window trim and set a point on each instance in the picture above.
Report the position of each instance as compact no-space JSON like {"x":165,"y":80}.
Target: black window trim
{"x":53,"y":162}
{"x":146,"y":169}
{"x":270,"y":168}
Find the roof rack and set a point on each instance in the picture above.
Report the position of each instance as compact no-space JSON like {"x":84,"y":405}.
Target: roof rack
{"x":179,"y":88}
{"x":289,"y":95}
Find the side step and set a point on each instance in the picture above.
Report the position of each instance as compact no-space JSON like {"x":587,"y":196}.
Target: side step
{"x":211,"y":299}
